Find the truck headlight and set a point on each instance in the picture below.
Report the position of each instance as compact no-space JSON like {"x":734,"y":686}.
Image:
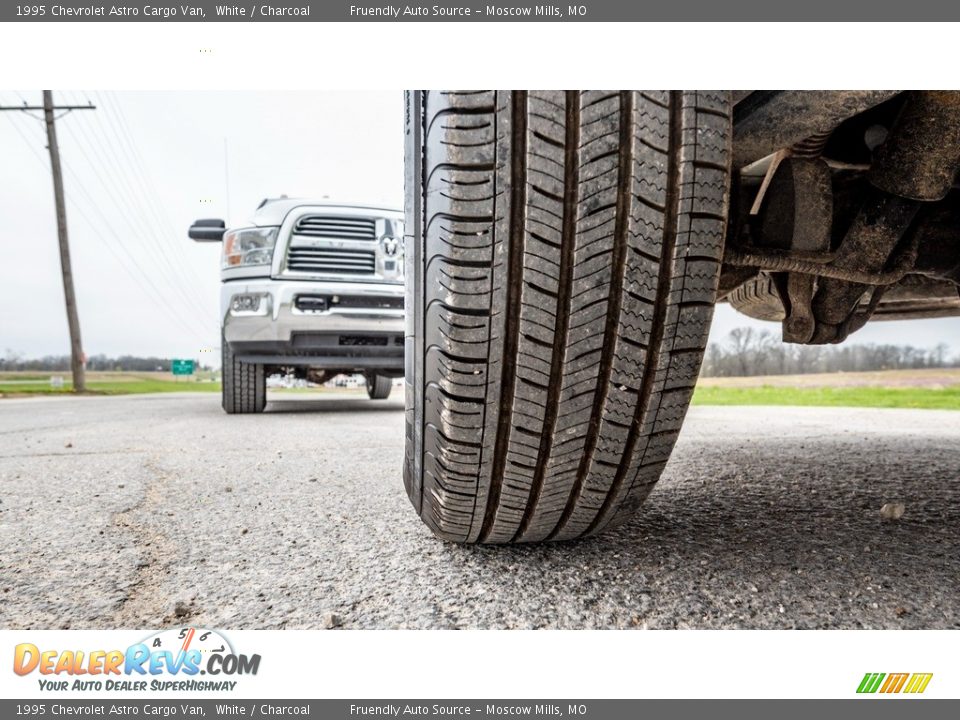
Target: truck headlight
{"x":250,"y":246}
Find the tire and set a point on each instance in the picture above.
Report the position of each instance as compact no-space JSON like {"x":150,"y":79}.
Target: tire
{"x":378,"y":387}
{"x":244,"y":386}
{"x":563,"y":259}
{"x":758,"y":298}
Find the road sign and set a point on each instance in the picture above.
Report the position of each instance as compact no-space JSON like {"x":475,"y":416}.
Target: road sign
{"x":182,"y":367}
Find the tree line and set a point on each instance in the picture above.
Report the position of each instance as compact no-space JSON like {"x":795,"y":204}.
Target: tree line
{"x":13,"y":361}
{"x":747,"y":352}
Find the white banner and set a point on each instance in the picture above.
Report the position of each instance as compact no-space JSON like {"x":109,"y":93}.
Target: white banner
{"x":447,"y":664}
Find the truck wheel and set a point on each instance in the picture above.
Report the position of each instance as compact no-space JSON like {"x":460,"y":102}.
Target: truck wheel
{"x":244,"y":384}
{"x":378,"y":387}
{"x":563,"y":254}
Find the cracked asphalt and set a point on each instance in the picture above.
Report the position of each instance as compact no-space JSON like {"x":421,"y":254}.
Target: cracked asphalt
{"x":148,"y":511}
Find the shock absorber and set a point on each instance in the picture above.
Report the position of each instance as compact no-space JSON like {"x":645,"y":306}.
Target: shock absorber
{"x":916,"y":164}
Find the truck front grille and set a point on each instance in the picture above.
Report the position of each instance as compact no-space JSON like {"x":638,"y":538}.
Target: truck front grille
{"x":343,"y":228}
{"x":337,"y":261}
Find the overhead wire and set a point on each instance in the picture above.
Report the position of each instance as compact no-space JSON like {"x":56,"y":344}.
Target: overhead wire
{"x":139,"y":275}
{"x":148,"y":189}
{"x":116,"y":108}
{"x":161,"y":269}
{"x":140,"y":278}
{"x":130,"y":205}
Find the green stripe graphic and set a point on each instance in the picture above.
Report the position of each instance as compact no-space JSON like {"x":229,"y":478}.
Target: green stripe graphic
{"x":871,"y":682}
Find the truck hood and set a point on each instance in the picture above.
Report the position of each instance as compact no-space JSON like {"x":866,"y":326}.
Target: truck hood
{"x":273,"y":212}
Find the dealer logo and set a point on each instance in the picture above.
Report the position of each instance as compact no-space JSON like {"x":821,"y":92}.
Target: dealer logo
{"x":909,"y":683}
{"x":167,"y":660}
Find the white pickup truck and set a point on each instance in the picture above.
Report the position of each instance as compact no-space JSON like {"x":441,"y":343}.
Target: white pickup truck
{"x":311,"y":289}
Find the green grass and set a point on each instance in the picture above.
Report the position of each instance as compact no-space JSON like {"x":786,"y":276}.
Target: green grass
{"x":943,"y":398}
{"x":947,"y":398}
{"x":23,"y":376}
{"x":109,"y":387}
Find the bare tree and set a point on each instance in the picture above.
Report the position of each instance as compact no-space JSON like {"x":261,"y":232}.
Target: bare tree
{"x":746,"y":352}
{"x":741,"y":346}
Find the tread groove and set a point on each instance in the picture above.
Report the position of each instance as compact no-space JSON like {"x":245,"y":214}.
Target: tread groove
{"x":518,"y":184}
{"x":567,"y":247}
{"x":621,"y":226}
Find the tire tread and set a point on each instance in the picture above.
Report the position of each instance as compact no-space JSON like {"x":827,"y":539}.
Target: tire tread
{"x":244,"y":385}
{"x":565,"y":248}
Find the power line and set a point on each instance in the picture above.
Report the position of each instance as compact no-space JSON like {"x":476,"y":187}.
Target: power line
{"x":147,"y":188}
{"x":124,"y":190}
{"x":144,"y":274}
{"x":114,"y":191}
{"x":142,"y":277}
{"x":116,"y":108}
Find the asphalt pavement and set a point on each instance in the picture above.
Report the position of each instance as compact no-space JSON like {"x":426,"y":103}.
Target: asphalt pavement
{"x":149,"y":511}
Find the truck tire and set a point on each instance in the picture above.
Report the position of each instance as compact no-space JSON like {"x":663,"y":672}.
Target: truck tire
{"x":758,"y":298}
{"x":378,"y":387}
{"x":563,"y":256}
{"x":244,"y":385}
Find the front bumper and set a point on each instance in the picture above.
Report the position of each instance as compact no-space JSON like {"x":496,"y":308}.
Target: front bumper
{"x":339,"y":326}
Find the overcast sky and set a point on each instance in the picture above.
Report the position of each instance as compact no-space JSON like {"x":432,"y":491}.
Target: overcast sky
{"x":144,"y":165}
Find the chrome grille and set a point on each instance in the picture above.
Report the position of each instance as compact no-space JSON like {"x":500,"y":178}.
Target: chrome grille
{"x":343,"y":228}
{"x":332,"y":260}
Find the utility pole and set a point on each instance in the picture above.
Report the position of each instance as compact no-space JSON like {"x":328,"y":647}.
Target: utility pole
{"x":77,"y":359}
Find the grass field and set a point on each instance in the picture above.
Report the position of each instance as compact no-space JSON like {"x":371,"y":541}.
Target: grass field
{"x":933,"y":378}
{"x":926,"y":389}
{"x":863,"y":396}
{"x":19,"y":384}
{"x":929,"y":389}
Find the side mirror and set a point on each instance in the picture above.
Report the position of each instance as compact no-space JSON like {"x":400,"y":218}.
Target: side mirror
{"x":210,"y":230}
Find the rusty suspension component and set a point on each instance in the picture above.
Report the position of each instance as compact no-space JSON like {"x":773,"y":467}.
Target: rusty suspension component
{"x":820,"y":266}
{"x":917,"y":163}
